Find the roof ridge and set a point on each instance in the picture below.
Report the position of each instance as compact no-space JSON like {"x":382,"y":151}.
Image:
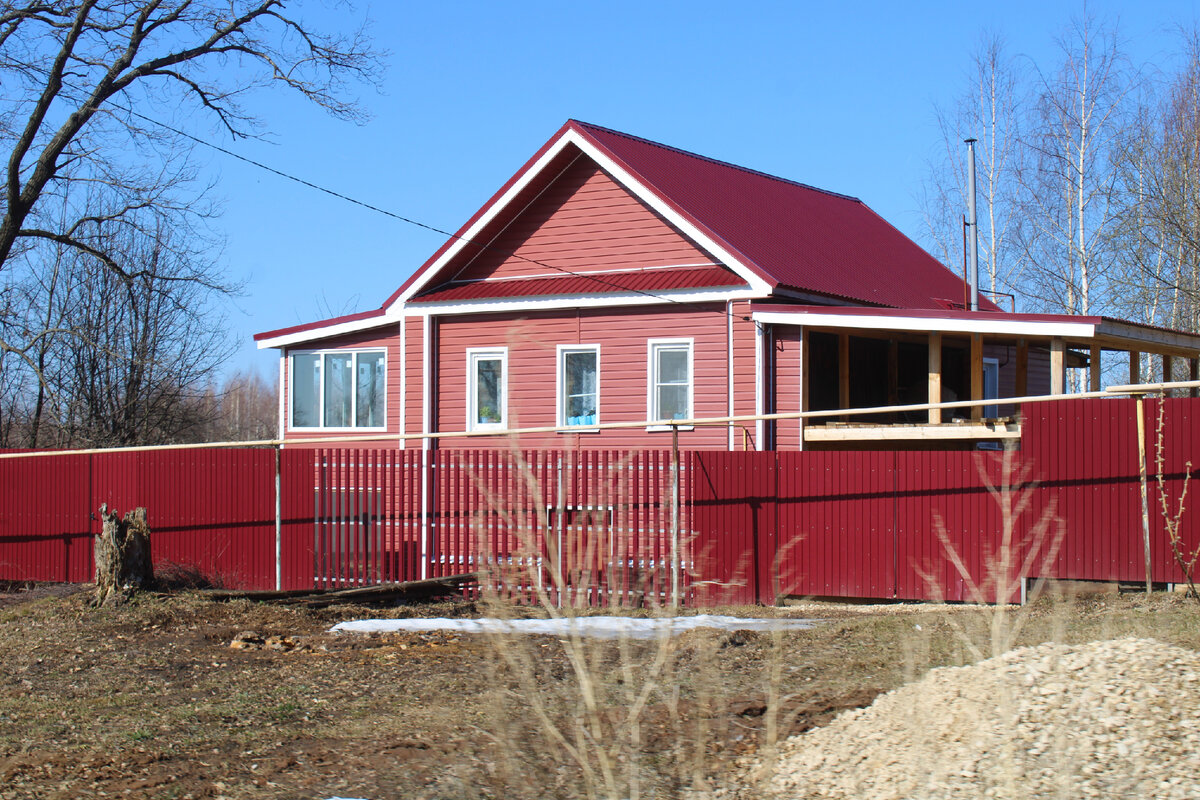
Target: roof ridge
{"x":717,"y":161}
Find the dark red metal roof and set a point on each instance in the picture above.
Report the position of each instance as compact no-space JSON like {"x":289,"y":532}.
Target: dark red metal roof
{"x":324,"y":323}
{"x":792,"y":234}
{"x":652,"y":280}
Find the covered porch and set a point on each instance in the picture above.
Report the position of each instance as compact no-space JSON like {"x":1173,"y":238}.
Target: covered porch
{"x":820,"y":358}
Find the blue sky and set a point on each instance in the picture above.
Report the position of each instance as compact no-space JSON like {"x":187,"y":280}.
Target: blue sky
{"x":840,"y":96}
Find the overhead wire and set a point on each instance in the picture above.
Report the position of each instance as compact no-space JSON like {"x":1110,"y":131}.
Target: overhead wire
{"x":410,"y":221}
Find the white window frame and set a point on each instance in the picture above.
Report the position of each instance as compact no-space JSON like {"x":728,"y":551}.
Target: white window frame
{"x":321,"y":426}
{"x":475,"y":355}
{"x":991,"y":412}
{"x":560,"y":391}
{"x":652,"y":348}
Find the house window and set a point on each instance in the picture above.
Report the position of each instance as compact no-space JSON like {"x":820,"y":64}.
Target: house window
{"x":578,"y":385}
{"x":487,"y":386}
{"x":339,"y":389}
{"x":670,"y":379}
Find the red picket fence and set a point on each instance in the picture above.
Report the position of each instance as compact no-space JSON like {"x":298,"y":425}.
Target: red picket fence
{"x":595,"y":527}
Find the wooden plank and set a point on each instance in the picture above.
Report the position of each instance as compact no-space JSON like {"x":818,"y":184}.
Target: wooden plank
{"x":1094,"y":368}
{"x":1022,"y":378}
{"x":911,"y":432}
{"x":935,"y":376}
{"x":1168,"y":367}
{"x":1193,"y":375}
{"x":843,"y":370}
{"x":1058,"y":366}
{"x":976,"y":374}
{"x":1135,"y":366}
{"x":804,"y":378}
{"x":893,"y":372}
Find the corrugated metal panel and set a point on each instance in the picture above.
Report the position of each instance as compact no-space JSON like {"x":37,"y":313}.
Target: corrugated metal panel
{"x":797,"y":235}
{"x":650,"y":280}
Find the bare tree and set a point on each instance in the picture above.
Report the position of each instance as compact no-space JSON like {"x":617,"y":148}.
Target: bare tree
{"x":989,"y":110}
{"x":76,"y":74}
{"x":106,"y":270}
{"x":1070,"y":179}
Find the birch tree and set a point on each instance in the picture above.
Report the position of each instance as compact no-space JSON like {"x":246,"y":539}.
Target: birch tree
{"x":989,"y":111}
{"x":1069,"y":179}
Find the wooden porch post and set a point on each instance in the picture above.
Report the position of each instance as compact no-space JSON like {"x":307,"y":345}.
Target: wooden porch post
{"x":1168,"y":364}
{"x":977,"y":374}
{"x":893,"y":377}
{"x":935,"y":376}
{"x":1094,"y":368}
{"x":844,"y":372}
{"x":804,"y":376}
{"x":1058,"y":365}
{"x":1193,"y":375}
{"x":1135,"y":366}
{"x":1022,"y":387}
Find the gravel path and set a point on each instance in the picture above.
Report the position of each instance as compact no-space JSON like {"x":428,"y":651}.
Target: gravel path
{"x":1116,"y":719}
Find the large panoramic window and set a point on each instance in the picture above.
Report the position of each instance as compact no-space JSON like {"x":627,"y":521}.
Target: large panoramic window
{"x":339,"y":389}
{"x":578,"y":385}
{"x":670,"y":379}
{"x":487,"y":405}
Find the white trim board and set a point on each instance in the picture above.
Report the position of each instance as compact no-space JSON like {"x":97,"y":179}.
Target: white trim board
{"x":816,"y":319}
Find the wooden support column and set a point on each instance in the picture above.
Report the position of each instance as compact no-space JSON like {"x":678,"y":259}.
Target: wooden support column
{"x":1193,"y":375}
{"x":1022,"y":383}
{"x":805,"y":372}
{"x":1135,"y":366}
{"x":935,"y":376}
{"x":1168,"y":367}
{"x":977,"y":374}
{"x":893,"y":377}
{"x":1094,"y":369}
{"x":844,"y":371}
{"x":1058,"y":366}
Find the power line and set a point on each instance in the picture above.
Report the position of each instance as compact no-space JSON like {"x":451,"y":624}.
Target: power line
{"x":400,"y":217}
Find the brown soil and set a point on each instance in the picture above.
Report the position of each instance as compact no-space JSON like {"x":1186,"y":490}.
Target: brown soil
{"x":150,"y":700}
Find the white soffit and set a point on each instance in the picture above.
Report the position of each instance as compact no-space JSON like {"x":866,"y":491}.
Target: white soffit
{"x":817,"y":319}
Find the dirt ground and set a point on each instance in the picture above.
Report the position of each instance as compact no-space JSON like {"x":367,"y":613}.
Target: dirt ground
{"x":150,"y":700}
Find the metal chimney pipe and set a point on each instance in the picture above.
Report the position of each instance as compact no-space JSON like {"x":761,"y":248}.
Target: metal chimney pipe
{"x":973,"y":221}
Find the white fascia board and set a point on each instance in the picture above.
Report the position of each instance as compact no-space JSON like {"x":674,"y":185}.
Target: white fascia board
{"x":556,"y":302}
{"x":338,"y":329}
{"x":1066,"y":330}
{"x":469,"y":235}
{"x":671,"y":215}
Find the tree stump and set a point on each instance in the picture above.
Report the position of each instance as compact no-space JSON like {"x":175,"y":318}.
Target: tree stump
{"x":122,"y":551}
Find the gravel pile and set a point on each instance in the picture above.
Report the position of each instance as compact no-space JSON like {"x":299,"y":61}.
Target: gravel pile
{"x":1109,"y":719}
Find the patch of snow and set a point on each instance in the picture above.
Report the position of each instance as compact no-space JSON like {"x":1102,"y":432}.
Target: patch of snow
{"x":598,"y":627}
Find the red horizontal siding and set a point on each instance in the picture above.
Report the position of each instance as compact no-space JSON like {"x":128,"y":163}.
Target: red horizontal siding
{"x":583,"y":221}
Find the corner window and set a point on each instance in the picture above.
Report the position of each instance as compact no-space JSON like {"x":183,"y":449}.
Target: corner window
{"x":487,"y":387}
{"x":670,"y":379}
{"x":339,"y":389}
{"x":578,"y":385}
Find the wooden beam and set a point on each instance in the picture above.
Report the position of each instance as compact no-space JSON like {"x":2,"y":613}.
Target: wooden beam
{"x":1194,"y":375}
{"x":859,"y":433}
{"x":976,"y":374}
{"x":1135,"y":366}
{"x":893,"y":375}
{"x":935,"y":376}
{"x":804,"y":377}
{"x":1094,"y":368}
{"x":1058,"y":366}
{"x":1022,"y":384}
{"x":1168,"y":366}
{"x":843,"y":371}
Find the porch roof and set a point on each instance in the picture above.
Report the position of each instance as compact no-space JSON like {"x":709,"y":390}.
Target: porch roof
{"x":1107,"y":332}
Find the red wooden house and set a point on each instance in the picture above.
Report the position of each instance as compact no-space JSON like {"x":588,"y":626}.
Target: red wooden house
{"x":614,"y":279}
